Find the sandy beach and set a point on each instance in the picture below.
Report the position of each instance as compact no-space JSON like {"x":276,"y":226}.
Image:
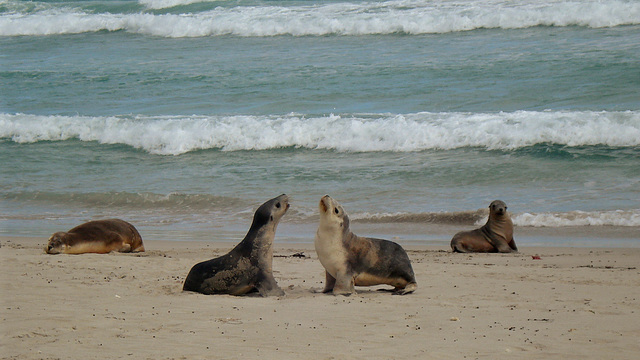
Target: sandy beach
{"x":542,"y":303}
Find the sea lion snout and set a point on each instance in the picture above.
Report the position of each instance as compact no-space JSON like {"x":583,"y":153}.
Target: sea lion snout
{"x":331,"y":207}
{"x":55,"y":244}
{"x":274,"y":209}
{"x":283,"y":199}
{"x":51,"y":249}
{"x":324,"y":206}
{"x":498,"y":207}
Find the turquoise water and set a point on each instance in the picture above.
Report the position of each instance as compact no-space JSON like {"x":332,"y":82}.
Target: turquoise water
{"x":183,"y":116}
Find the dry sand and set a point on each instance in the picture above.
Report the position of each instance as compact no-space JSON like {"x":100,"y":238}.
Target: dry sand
{"x":572,"y":303}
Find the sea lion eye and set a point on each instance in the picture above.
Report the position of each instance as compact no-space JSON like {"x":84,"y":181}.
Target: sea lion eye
{"x":278,"y":205}
{"x":336,"y":211}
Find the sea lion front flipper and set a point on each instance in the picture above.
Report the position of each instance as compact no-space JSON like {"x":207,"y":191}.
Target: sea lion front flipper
{"x":125,"y":248}
{"x":502,"y":246}
{"x":330,"y":283}
{"x":269,"y":287}
{"x":345,"y":284}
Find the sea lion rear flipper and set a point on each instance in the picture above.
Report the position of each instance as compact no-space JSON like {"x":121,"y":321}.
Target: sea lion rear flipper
{"x":411,"y":287}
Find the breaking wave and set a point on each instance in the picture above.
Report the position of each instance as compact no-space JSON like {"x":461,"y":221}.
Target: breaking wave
{"x":298,"y":18}
{"x":175,"y":135}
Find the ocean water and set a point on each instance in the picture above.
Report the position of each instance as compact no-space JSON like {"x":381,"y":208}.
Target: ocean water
{"x":183,"y":116}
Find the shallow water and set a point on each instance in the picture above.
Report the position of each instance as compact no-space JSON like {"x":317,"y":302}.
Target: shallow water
{"x":185,"y":116}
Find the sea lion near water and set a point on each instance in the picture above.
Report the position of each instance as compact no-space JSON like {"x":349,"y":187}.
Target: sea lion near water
{"x":248,"y":267}
{"x":350,"y":260}
{"x":99,"y":236}
{"x":495,"y":236}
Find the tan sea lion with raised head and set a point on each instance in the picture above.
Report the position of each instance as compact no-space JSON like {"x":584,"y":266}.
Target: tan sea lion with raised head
{"x":248,"y":266}
{"x":495,"y":236}
{"x":99,"y":236}
{"x":351,"y":260}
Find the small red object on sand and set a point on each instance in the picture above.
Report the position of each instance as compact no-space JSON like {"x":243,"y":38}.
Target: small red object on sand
{"x":535,"y":257}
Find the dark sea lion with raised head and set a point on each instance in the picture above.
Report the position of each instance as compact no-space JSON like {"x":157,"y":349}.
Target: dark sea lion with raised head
{"x":99,"y":236}
{"x":248,"y":267}
{"x":351,"y":260}
{"x":495,"y":236}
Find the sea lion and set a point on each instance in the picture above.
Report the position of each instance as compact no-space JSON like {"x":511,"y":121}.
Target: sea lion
{"x":351,"y":260}
{"x":99,"y":236}
{"x":495,"y":236}
{"x":248,"y":267}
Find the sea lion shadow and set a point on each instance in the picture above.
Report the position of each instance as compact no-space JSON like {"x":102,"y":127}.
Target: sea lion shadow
{"x":360,"y":291}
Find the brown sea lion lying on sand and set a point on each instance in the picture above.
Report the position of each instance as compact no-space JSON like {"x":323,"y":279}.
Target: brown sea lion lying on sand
{"x":100,"y":236}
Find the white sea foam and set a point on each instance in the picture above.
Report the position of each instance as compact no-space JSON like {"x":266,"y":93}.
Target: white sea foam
{"x":346,"y":18}
{"x":357,"y":133}
{"x":579,"y":218}
{"x":625,"y":218}
{"x":164,"y":4}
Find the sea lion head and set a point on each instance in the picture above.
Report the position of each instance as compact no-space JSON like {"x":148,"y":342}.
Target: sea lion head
{"x":497,"y":209}
{"x":56,"y":244}
{"x":332,"y":214}
{"x":271,"y":211}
